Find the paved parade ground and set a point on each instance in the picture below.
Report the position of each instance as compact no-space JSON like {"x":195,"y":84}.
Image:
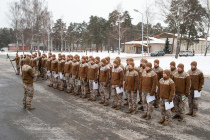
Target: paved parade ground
{"x":59,"y":115}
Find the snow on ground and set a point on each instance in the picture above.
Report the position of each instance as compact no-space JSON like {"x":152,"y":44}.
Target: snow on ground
{"x":203,"y":62}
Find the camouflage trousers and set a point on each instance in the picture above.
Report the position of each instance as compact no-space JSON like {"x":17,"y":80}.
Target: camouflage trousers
{"x":74,"y":84}
{"x":105,"y":92}
{"x":50,"y":78}
{"x":44,"y":72}
{"x":18,"y":68}
{"x":67,"y":81}
{"x":28,"y":94}
{"x":60,"y":81}
{"x":93,"y":92}
{"x":148,"y":107}
{"x":54,"y":80}
{"x":117,"y":97}
{"x":165,"y":114}
{"x":179,"y":104}
{"x":35,"y":70}
{"x":132,"y":99}
{"x":193,"y":102}
{"x":84,"y":86}
{"x":140,"y":96}
{"x":156,"y":101}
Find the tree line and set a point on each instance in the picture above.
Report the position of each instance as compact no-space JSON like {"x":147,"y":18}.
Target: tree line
{"x":31,"y":23}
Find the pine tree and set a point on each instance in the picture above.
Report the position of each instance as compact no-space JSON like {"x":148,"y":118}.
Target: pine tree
{"x":167,"y":47}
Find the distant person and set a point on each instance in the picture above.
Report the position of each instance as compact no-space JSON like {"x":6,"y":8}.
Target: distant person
{"x":17,"y":60}
{"x":28,"y":79}
{"x":193,"y":51}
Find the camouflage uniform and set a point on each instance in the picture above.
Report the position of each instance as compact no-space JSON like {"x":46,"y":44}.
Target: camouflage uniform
{"x":132,"y":96}
{"x":61,"y":81}
{"x":93,"y":92}
{"x":105,"y":91}
{"x":83,"y":80}
{"x":180,"y":99}
{"x":28,"y":94}
{"x":117,"y":97}
{"x":198,"y":78}
{"x":54,"y":80}
{"x":28,"y":74}
{"x":166,"y":114}
{"x":148,"y":107}
{"x":132,"y":99}
{"x":179,"y":104}
{"x":75,"y":78}
{"x":159,"y":72}
{"x":17,"y":60}
{"x":140,"y":70}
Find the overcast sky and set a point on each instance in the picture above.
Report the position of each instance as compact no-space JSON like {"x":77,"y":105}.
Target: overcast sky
{"x":81,"y":10}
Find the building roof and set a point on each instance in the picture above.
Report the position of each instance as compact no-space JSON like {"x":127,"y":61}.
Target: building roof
{"x":152,"y":40}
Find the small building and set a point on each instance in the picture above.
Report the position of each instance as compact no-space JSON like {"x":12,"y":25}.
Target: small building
{"x":153,"y":45}
{"x":197,"y":47}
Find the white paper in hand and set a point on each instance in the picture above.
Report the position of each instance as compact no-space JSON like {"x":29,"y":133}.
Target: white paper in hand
{"x":197,"y":94}
{"x":55,"y":75}
{"x":95,"y":85}
{"x":48,"y":73}
{"x":169,"y":106}
{"x":150,"y":98}
{"x":61,"y":76}
{"x":119,"y":90}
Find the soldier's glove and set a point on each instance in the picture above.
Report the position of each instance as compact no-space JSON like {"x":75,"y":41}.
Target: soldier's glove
{"x":199,"y":90}
{"x":120,"y":86}
{"x":96,"y":82}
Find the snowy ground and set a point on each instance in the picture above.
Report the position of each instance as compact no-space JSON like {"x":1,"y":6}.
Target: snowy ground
{"x":203,"y":62}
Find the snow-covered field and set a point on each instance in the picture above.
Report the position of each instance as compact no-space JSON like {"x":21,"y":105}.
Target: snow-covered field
{"x":203,"y":62}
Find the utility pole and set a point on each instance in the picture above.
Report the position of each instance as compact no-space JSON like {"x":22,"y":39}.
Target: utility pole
{"x":48,"y":41}
{"x":119,"y":39}
{"x":178,"y":33}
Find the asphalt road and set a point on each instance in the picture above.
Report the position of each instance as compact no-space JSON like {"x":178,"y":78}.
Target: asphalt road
{"x":59,"y":115}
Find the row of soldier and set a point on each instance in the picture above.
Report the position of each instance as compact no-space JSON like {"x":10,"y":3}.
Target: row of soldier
{"x":81,"y":75}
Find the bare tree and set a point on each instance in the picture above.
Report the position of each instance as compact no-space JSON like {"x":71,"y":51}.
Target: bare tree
{"x":31,"y":18}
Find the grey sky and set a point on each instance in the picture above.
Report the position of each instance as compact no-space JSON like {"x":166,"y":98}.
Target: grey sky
{"x":81,"y":10}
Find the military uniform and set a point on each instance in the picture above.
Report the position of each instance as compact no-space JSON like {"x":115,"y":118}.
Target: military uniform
{"x":27,"y":78}
{"x":83,"y":77}
{"x":182,"y":89}
{"x":117,"y":81}
{"x":148,"y":84}
{"x":17,"y":61}
{"x":104,"y":83}
{"x":92,"y":76}
{"x":159,"y":71}
{"x":131,"y":85}
{"x":197,"y":81}
{"x":54,"y":70}
{"x":67,"y":75}
{"x":75,"y":76}
{"x":166,"y":91}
